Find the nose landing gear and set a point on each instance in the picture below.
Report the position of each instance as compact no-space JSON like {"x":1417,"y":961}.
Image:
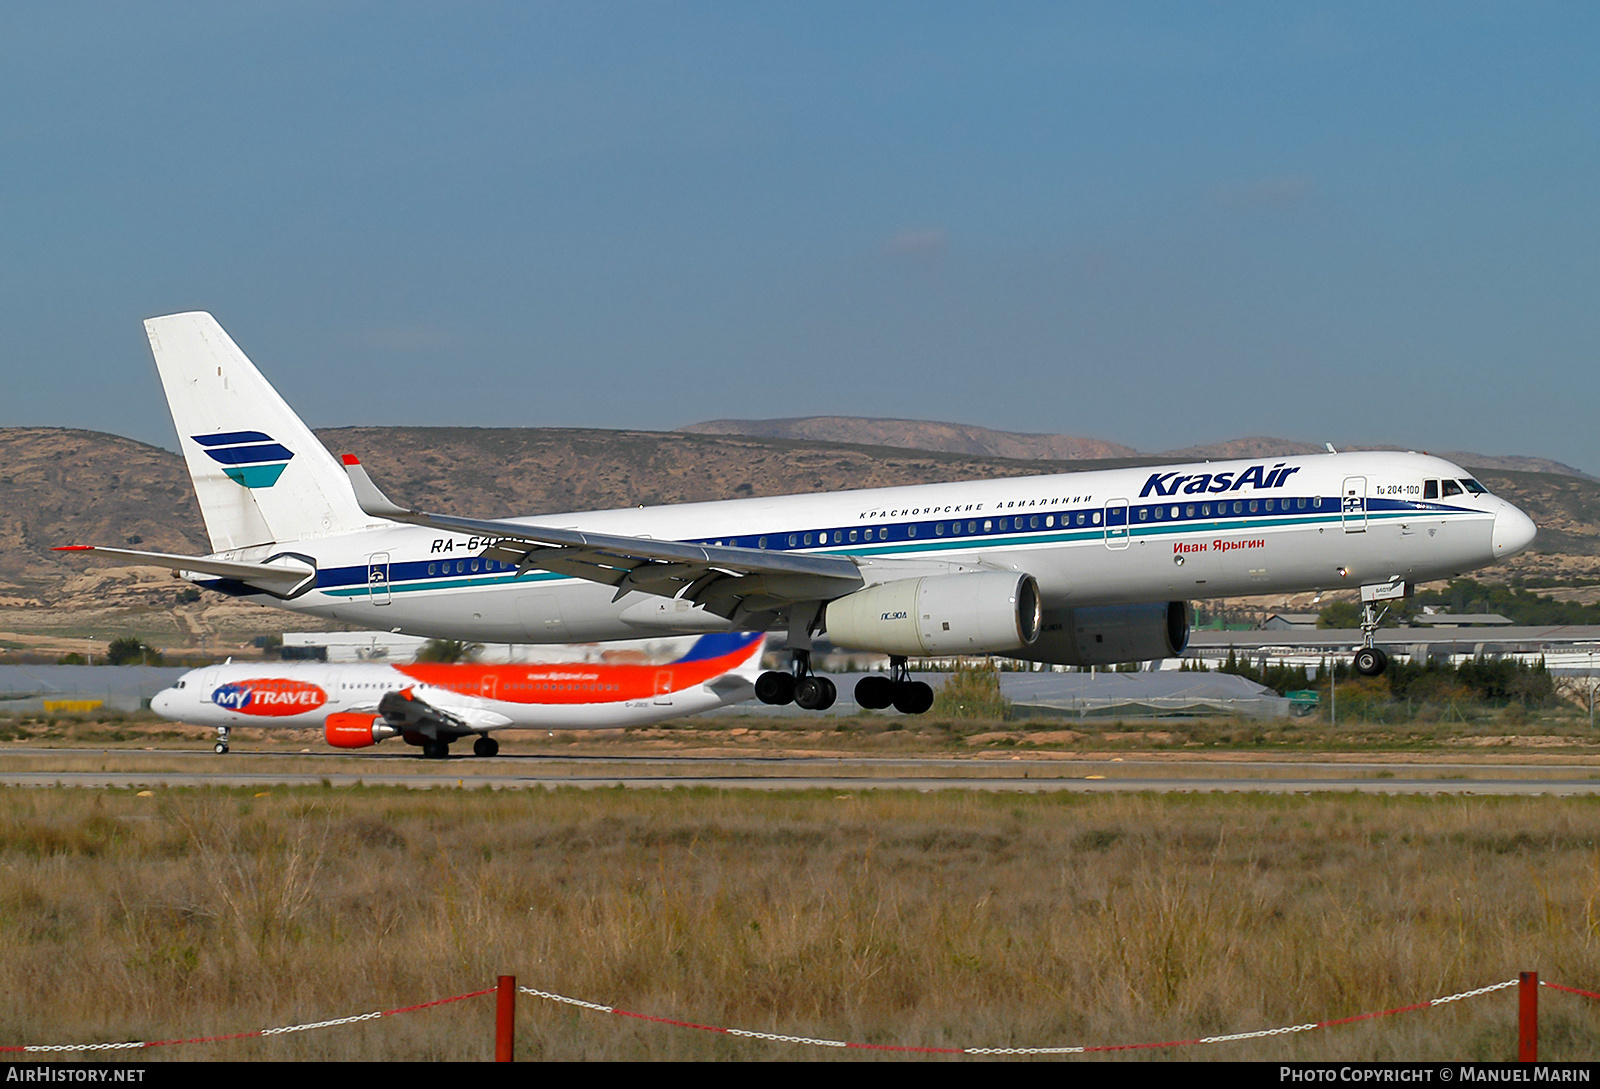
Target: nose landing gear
{"x":1370,"y":660}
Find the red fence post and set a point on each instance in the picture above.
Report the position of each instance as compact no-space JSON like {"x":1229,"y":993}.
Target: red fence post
{"x":505,"y":1018}
{"x":1528,"y":1017}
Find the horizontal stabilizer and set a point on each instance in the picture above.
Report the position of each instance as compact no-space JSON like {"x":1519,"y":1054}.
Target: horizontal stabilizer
{"x":285,"y":577}
{"x":732,"y":684}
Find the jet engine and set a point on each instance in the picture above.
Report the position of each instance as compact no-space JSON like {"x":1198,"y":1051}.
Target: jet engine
{"x":350,"y":731}
{"x":1108,"y":634}
{"x":990,"y":612}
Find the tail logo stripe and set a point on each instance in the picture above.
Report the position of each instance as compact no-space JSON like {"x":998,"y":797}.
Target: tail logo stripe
{"x":252,"y":459}
{"x":231,"y":438}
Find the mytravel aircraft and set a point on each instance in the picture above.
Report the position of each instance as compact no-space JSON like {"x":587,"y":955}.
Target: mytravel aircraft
{"x":1075,"y":568}
{"x":431,"y":705}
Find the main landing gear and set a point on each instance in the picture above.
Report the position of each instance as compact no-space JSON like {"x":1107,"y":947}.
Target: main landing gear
{"x":435,"y":748}
{"x":897,"y":689}
{"x":804,"y":688}
{"x":799,"y":686}
{"x":873,"y":693}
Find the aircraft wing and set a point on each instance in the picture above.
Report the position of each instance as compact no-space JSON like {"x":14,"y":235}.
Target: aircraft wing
{"x":405,"y":710}
{"x":711,"y":575}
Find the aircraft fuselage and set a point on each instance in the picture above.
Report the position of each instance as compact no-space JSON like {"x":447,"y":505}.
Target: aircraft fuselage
{"x":1119,"y":536}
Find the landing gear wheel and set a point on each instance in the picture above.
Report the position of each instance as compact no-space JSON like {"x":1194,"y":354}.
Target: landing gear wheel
{"x":815,"y":693}
{"x":221,"y":747}
{"x":435,"y":750}
{"x":874,"y":693}
{"x":913,"y":697}
{"x":775,"y":688}
{"x":222,"y":740}
{"x":485,"y":746}
{"x":1370,"y":661}
{"x":799,"y":685}
{"x":907,"y":696}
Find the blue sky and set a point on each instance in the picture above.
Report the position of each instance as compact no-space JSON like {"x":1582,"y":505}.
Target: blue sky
{"x":1158,"y":224}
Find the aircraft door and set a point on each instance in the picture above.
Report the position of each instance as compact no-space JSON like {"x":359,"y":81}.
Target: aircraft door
{"x":378,"y":578}
{"x":663,"y":693}
{"x":1353,"y":504}
{"x":488,"y":686}
{"x":1117,"y":523}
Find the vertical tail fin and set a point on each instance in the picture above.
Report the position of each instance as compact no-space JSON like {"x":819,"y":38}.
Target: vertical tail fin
{"x":259,"y":473}
{"x":740,"y":649}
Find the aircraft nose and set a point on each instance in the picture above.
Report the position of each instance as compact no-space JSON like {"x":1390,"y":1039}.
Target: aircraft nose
{"x":1513,"y":531}
{"x":161,"y":702}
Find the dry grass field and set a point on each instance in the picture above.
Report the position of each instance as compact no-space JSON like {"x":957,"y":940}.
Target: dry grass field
{"x":943,"y":919}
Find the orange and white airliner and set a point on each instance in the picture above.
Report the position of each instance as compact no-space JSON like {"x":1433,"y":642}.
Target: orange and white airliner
{"x":431,"y":705}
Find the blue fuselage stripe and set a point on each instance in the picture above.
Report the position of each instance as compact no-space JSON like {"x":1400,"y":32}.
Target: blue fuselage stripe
{"x":923,"y":538}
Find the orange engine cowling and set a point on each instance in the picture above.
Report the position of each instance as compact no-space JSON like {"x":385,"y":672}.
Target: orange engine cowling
{"x":348,"y":731}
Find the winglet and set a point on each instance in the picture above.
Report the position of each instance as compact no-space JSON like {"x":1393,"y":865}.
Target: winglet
{"x":372,"y":501}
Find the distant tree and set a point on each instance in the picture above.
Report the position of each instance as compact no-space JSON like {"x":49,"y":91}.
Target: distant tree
{"x":125,"y":651}
{"x":72,"y":658}
{"x":128,"y":650}
{"x":1339,"y":614}
{"x":1281,"y":678}
{"x":448,"y":651}
{"x":1515,"y":604}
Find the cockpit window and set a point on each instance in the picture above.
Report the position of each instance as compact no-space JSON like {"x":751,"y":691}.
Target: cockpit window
{"x":1451,"y":488}
{"x":1430,"y":489}
{"x":1474,"y":487}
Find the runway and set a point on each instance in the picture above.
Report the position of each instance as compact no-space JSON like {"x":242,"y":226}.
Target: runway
{"x":145,"y":769}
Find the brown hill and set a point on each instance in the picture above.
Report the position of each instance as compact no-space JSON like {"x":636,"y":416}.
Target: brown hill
{"x":64,"y":487}
{"x":966,"y":439}
{"x":920,"y":435}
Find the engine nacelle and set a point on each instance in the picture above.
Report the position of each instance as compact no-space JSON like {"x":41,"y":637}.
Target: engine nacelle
{"x":350,"y":731}
{"x":989,"y":612}
{"x":1108,"y":634}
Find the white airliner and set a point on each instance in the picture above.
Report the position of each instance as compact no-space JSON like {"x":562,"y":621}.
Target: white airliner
{"x":1077,"y":568}
{"x":432,"y":705}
